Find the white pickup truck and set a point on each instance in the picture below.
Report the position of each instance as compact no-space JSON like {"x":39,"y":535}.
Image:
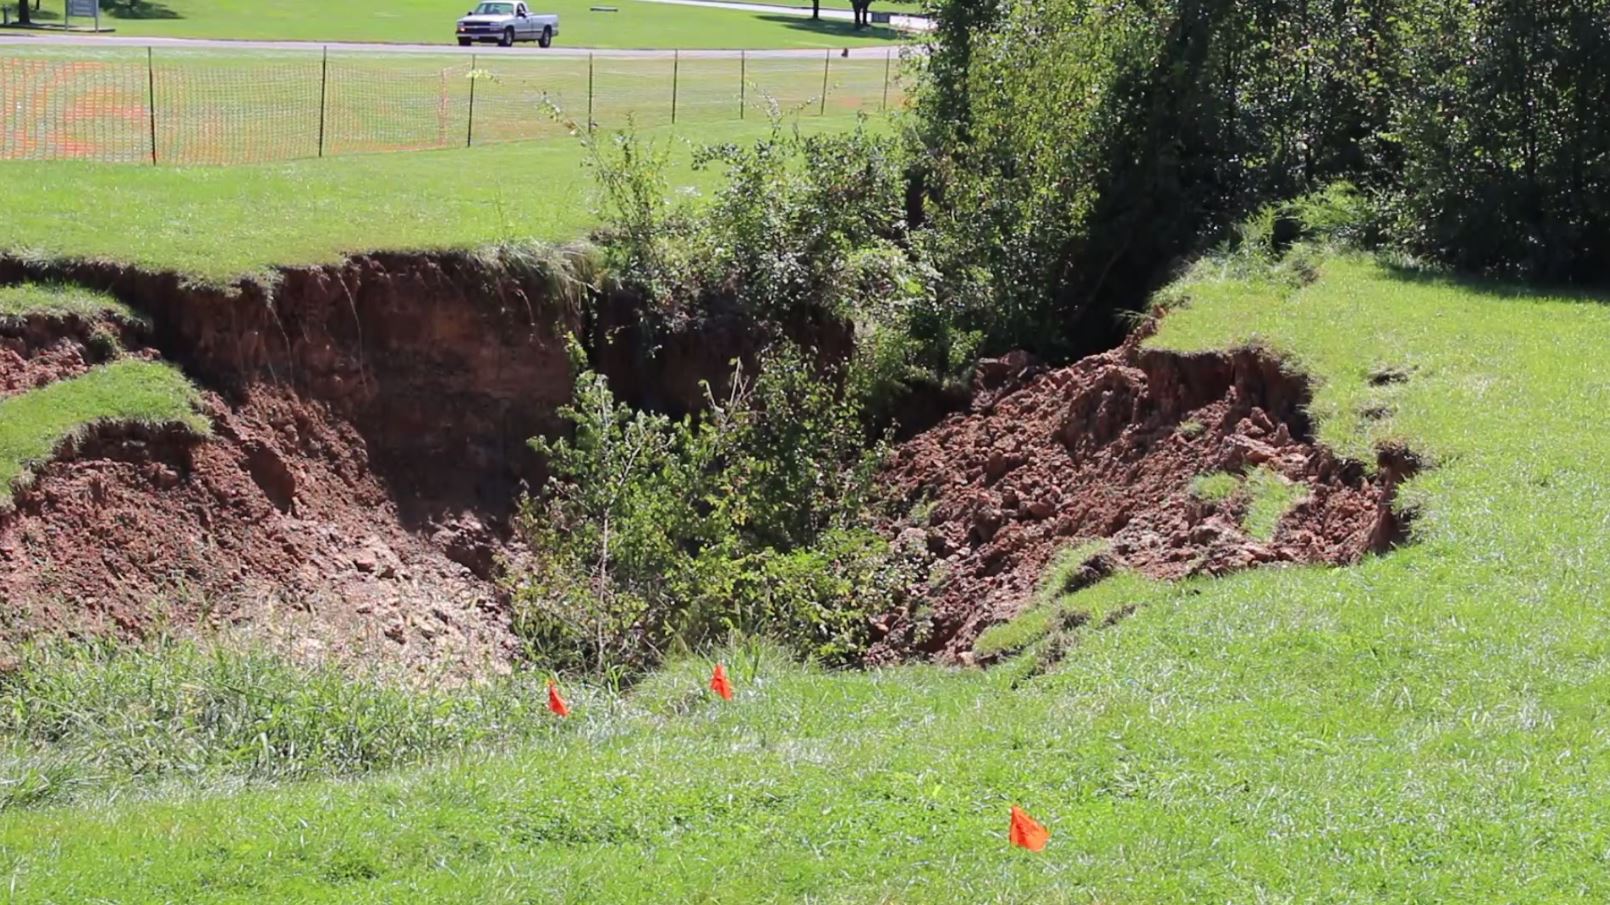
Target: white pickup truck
{"x":505,"y":23}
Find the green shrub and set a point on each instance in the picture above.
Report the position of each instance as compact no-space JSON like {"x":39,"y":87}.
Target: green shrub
{"x":1506,"y":145}
{"x":799,"y":223}
{"x":1072,"y":153}
{"x":656,"y":534}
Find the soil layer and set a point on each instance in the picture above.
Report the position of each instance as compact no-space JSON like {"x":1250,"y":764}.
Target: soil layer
{"x":1108,"y":449}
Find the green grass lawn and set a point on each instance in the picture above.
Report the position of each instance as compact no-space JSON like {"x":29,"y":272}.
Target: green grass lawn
{"x":1426,"y":726}
{"x":35,"y":423}
{"x":186,"y":106}
{"x":634,"y":24}
{"x":59,"y":301}
{"x":217,"y":224}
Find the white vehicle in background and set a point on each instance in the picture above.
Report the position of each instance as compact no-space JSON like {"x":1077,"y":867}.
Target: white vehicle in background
{"x":506,"y":21}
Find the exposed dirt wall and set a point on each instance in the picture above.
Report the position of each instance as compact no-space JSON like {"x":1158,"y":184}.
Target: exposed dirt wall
{"x":1108,"y":449}
{"x":369,"y":421}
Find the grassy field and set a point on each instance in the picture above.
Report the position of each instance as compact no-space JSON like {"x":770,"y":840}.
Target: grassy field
{"x":34,"y":423}
{"x":58,"y":301}
{"x":187,"y":106}
{"x":1426,"y":726}
{"x":634,"y":24}
{"x":217,"y":224}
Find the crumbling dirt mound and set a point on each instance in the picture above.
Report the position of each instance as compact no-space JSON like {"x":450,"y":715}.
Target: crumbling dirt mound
{"x":42,"y":349}
{"x":369,"y":427}
{"x":274,"y":526}
{"x":1108,"y":448}
{"x":369,"y":441}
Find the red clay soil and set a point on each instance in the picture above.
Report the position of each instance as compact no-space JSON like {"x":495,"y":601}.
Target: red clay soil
{"x":369,"y":436}
{"x":274,"y":527}
{"x":370,"y":426}
{"x":1107,"y":449}
{"x":38,"y":350}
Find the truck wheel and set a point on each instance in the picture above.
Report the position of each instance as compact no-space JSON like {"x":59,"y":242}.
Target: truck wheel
{"x":508,"y":37}
{"x":547,"y":37}
{"x":464,"y":42}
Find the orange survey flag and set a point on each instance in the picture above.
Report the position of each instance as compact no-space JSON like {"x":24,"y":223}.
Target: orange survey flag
{"x":1025,"y":832}
{"x":719,"y":683}
{"x":555,"y":702}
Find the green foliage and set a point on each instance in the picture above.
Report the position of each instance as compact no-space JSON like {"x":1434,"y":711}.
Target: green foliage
{"x":87,"y":719}
{"x":1074,"y":152}
{"x":655,"y":534}
{"x":1104,"y":141}
{"x":35,"y":423}
{"x":797,"y":223}
{"x":1505,"y":140}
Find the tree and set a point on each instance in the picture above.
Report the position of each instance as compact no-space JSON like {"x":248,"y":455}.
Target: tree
{"x":863,"y":12}
{"x":24,"y":15}
{"x":816,"y":10}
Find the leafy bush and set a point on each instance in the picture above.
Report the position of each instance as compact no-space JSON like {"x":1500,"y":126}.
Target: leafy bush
{"x":1506,"y":145}
{"x":801,"y":222}
{"x":654,"y":534}
{"x":1073,"y":152}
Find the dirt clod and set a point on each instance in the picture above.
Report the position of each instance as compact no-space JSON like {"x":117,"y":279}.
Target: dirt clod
{"x":1108,"y":448}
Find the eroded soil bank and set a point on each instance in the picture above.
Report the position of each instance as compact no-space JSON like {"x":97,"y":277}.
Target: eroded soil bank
{"x":369,"y":427}
{"x":369,"y":440}
{"x":1108,"y":449}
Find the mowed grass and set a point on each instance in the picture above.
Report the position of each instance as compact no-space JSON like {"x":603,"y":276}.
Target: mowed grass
{"x":1428,"y":726}
{"x":634,"y":24}
{"x":57,"y":301}
{"x":227,"y":107}
{"x":219,"y":224}
{"x":35,"y":423}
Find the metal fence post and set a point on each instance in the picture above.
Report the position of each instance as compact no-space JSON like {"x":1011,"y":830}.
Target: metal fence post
{"x":324,"y":91}
{"x":827,"y":60}
{"x":151,"y":97}
{"x":676,"y":69}
{"x":888,"y":57}
{"x":743,"y":81}
{"x":589,"y":93}
{"x":469,"y":131}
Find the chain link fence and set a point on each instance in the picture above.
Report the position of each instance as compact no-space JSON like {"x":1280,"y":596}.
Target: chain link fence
{"x":169,"y":106}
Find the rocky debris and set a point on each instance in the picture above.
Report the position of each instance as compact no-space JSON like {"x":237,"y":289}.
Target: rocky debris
{"x":1107,"y":448}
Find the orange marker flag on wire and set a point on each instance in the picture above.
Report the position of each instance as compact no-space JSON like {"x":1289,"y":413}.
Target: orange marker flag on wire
{"x":556,"y":704}
{"x":719,"y":683}
{"x":1026,"y":832}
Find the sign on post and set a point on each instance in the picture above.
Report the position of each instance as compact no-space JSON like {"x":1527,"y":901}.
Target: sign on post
{"x":85,"y":9}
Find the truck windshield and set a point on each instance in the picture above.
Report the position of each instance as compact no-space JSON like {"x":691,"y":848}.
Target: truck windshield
{"x":495,"y":9}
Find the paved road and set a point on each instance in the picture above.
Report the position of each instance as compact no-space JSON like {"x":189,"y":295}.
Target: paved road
{"x":907,"y":23}
{"x":38,"y":39}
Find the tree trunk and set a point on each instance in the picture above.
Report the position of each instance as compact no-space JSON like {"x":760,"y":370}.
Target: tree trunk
{"x":816,"y":9}
{"x":24,"y":15}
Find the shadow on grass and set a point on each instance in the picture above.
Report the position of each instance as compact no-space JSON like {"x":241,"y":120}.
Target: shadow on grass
{"x":110,"y":9}
{"x":137,"y":9}
{"x":42,"y":16}
{"x":1494,"y":288}
{"x":834,"y":28}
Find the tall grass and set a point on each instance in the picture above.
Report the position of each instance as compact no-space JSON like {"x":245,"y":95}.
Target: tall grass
{"x":81,"y":720}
